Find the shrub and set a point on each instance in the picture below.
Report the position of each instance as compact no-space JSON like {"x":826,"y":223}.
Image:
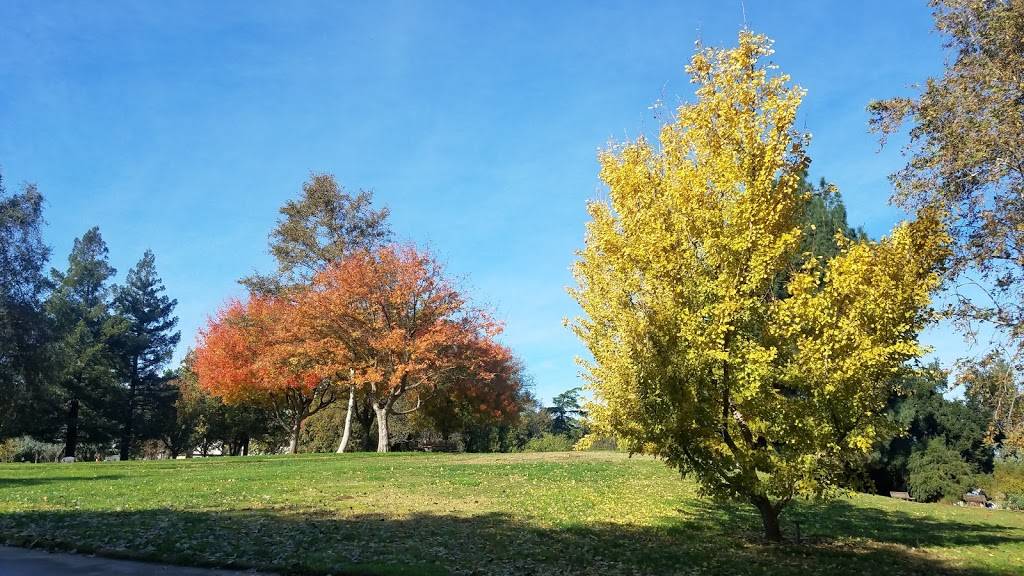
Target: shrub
{"x":1009,"y":481}
{"x":936,"y":472}
{"x":599,"y":443}
{"x":549,"y":443}
{"x":8,"y":449}
{"x":88,"y":452}
{"x":28,"y":449}
{"x":322,"y":431}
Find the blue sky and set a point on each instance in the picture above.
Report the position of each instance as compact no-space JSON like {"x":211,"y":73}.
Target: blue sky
{"x":183,"y":127}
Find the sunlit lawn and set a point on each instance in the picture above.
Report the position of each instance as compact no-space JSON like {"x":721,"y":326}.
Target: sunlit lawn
{"x":585,"y":513}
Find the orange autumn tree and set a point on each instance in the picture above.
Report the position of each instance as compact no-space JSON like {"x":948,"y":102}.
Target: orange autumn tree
{"x":487,"y":392}
{"x":253,"y":352}
{"x":397,"y":324}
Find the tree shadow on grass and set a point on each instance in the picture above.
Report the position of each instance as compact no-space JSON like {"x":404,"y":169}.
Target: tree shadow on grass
{"x":840,"y":519}
{"x":18,"y":482}
{"x":717,"y":540}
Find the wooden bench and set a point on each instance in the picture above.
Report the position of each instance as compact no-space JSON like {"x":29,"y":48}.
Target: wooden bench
{"x":901,"y":496}
{"x":976,"y":499}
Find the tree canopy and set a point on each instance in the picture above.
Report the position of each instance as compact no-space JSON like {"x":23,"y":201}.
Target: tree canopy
{"x":324,"y":225}
{"x":25,"y":361}
{"x":965,"y":157}
{"x":696,"y":357}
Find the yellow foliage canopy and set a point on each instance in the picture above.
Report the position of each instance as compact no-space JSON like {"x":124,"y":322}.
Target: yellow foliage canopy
{"x":697,"y":356}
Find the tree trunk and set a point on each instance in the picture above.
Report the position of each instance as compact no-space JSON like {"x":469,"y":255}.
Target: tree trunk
{"x":71,"y":437}
{"x":382,"y":429}
{"x":348,"y":420}
{"x":129,"y":415}
{"x":293,"y":445}
{"x":364,"y":416}
{"x":769,"y":519}
{"x":126,"y":429}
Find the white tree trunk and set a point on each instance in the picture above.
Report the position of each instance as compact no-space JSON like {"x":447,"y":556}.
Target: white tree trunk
{"x":348,"y":420}
{"x":383,"y":443}
{"x":293,"y":444}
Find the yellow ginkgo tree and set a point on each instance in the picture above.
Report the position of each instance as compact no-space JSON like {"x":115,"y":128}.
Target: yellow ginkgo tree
{"x":698,"y":356}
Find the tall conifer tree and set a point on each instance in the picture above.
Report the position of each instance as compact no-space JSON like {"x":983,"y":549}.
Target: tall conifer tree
{"x":86,"y":335}
{"x":145,"y":347}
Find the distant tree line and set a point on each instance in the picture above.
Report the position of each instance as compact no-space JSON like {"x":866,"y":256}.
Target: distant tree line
{"x":354,"y":341}
{"x":84,"y":361}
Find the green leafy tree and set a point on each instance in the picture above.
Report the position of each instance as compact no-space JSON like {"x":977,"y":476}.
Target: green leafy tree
{"x":87,"y":333}
{"x":145,"y":347}
{"x":320,"y":431}
{"x":183,"y":423}
{"x":26,"y":398}
{"x":534,"y":421}
{"x":322,"y":226}
{"x":936,"y":471}
{"x":236,"y":427}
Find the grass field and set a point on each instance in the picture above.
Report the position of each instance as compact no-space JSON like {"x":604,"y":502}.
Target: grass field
{"x":580,"y":513}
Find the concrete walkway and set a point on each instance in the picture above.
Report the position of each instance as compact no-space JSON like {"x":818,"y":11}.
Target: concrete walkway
{"x":25,"y":562}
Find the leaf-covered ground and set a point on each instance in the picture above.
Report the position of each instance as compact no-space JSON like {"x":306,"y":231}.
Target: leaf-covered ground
{"x":572,"y":513}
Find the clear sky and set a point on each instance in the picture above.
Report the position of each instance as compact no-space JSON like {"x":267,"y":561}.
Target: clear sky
{"x":182,"y":127}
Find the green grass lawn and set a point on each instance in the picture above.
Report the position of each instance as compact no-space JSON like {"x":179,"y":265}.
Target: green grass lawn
{"x":582,"y":513}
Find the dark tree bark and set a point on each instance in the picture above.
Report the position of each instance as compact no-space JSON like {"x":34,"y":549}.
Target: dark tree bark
{"x":769,"y":518}
{"x":364,"y":414}
{"x":129,"y":418}
{"x":71,"y":437}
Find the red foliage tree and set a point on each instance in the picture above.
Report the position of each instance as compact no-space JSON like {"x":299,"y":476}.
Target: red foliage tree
{"x":251,"y":352}
{"x":485,"y":392}
{"x":397,"y":324}
{"x":388,"y":323}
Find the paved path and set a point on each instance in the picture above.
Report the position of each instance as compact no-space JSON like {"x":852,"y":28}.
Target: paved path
{"x":24,"y":562}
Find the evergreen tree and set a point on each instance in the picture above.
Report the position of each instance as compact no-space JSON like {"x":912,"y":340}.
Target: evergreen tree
{"x":822,"y":218}
{"x":922,"y":414}
{"x":565,"y":409}
{"x":86,"y":337}
{"x":144,"y":348}
{"x":183,"y":423}
{"x":24,"y":390}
